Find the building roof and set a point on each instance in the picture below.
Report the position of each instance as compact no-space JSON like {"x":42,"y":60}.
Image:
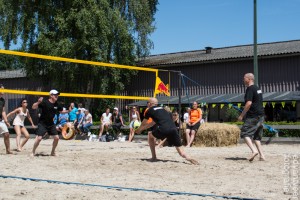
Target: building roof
{"x":219,"y":54}
{"x":7,"y":74}
{"x":223,"y":98}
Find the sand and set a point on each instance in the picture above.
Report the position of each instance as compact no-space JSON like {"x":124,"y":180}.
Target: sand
{"x":223,"y":171}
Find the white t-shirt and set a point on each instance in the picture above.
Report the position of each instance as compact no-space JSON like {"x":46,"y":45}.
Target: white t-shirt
{"x":186,"y":117}
{"x":87,"y":117}
{"x":106,"y":118}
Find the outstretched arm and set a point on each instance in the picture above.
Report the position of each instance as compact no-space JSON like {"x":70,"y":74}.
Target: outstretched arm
{"x":17,"y":110}
{"x":144,"y":126}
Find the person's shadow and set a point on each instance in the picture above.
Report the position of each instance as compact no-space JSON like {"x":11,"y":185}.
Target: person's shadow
{"x":159,"y":160}
{"x":235,"y":158}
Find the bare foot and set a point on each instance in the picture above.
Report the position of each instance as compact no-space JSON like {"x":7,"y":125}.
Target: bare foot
{"x":262,"y":159}
{"x":9,"y":152}
{"x":54,"y":154}
{"x":32,"y":155}
{"x":193,"y":161}
{"x":19,"y":150}
{"x":153,"y":160}
{"x":253,"y":156}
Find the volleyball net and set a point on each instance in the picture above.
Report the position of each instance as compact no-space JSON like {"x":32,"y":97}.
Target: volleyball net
{"x":78,"y":86}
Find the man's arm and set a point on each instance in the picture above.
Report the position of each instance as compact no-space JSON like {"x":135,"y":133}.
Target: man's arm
{"x":246,"y":108}
{"x":4,"y":117}
{"x":144,"y":126}
{"x":36,"y":104}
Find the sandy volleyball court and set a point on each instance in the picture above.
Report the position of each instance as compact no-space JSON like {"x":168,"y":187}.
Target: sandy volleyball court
{"x":222,"y":171}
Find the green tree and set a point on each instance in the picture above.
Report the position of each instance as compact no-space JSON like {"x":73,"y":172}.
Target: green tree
{"x":115,"y":31}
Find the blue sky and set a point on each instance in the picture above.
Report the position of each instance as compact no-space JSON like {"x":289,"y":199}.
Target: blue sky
{"x":185,"y":25}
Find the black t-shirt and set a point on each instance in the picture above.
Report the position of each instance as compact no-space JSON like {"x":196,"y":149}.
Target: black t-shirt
{"x":161,"y":117}
{"x":254,"y":94}
{"x":49,"y":110}
{"x":116,"y":118}
{"x":2,"y":104}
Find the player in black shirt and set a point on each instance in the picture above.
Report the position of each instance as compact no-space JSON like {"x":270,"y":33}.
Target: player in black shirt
{"x":253,"y":115}
{"x":165,"y":129}
{"x":49,"y":108}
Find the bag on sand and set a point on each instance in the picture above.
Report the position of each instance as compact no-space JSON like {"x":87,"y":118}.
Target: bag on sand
{"x":109,"y":138}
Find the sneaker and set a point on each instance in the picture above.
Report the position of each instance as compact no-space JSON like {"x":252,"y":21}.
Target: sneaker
{"x":89,"y":133}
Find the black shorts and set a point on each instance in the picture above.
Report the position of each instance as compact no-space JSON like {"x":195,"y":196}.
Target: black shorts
{"x":172,"y":136}
{"x":253,"y":128}
{"x":43,"y":129}
{"x":195,"y":127}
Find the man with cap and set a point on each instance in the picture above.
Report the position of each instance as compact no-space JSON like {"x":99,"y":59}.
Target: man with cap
{"x":49,"y":108}
{"x":165,"y":129}
{"x":4,"y":123}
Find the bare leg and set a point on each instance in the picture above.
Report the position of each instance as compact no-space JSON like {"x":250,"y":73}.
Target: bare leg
{"x":259,"y":148}
{"x":36,"y":144}
{"x":184,"y":155}
{"x":151,"y":141}
{"x":54,"y":145}
{"x":193,"y":132}
{"x":250,"y":145}
{"x":131,"y":134}
{"x":7,"y":143}
{"x":188,"y":138}
{"x":161,"y":144}
{"x":26,"y":134}
{"x":18,"y":137}
{"x":101,"y":131}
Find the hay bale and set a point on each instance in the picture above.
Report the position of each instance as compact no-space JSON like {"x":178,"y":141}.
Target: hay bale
{"x":217,"y":135}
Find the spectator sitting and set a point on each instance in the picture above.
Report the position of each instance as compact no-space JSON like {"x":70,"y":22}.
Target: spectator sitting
{"x":72,"y":112}
{"x":79,"y":116}
{"x":117,"y":120}
{"x":63,"y":118}
{"x":134,"y":115}
{"x":186,"y":115}
{"x":193,"y":124}
{"x":86,"y":122}
{"x":106,"y":121}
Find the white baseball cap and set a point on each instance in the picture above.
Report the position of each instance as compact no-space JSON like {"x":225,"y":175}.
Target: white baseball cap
{"x":115,"y":108}
{"x":54,"y":92}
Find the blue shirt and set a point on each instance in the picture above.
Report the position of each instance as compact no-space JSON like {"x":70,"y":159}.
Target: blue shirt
{"x":72,"y":114}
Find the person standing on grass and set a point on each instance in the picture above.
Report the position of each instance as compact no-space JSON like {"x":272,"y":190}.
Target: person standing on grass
{"x":253,"y":116}
{"x":165,"y":129}
{"x":49,"y":108}
{"x":18,"y":123}
{"x":4,"y":123}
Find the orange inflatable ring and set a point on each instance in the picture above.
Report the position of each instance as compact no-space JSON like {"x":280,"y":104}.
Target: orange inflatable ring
{"x":68,"y":131}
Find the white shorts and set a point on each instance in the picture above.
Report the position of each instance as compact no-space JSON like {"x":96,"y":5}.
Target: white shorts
{"x":3,"y":128}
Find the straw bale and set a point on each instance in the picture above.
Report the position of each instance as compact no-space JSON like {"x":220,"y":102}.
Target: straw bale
{"x":216,"y":135}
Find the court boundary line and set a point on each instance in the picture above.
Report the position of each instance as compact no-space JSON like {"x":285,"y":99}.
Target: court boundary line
{"x":120,"y":188}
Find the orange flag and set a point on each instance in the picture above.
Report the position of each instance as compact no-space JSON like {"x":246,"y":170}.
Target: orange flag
{"x":160,"y":87}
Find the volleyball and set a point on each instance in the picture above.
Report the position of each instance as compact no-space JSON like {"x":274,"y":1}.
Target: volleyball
{"x":136,"y":125}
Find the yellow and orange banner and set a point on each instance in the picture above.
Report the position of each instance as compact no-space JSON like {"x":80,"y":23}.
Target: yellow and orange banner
{"x":160,"y":87}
